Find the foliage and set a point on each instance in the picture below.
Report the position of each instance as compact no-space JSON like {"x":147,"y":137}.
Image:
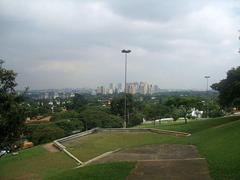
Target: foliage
{"x":135,"y":119}
{"x":12,"y":110}
{"x":93,"y":117}
{"x":181,"y":106}
{"x":176,"y":114}
{"x":229,"y":88}
{"x":118,"y":104}
{"x":134,"y":109}
{"x":44,"y":134}
{"x":155,"y":111}
{"x":64,"y":115}
{"x":70,"y":125}
{"x":78,"y":102}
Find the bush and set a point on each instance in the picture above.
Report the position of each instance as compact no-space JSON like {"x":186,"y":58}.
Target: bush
{"x":70,"y":125}
{"x":93,"y":117}
{"x":135,"y":119}
{"x":46,"y":134}
{"x":64,"y":115}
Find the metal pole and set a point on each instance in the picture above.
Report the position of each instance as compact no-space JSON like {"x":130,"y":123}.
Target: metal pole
{"x":207,"y":77}
{"x":125,"y":90}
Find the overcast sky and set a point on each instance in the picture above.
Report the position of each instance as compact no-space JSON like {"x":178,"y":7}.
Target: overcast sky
{"x":73,"y":43}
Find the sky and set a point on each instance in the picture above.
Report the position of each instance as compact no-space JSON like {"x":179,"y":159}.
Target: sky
{"x":76,"y":44}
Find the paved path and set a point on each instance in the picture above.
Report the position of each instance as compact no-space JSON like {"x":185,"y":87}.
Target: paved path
{"x":162,"y":162}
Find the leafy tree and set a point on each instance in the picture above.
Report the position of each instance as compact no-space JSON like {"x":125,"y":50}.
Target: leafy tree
{"x":45,"y":134}
{"x":182,"y":106}
{"x":64,"y":115}
{"x":118,"y":105}
{"x":78,"y":103}
{"x":12,"y":111}
{"x":177,"y":113}
{"x":70,"y":125}
{"x":229,"y":88}
{"x":93,"y":117}
{"x":136,"y":119}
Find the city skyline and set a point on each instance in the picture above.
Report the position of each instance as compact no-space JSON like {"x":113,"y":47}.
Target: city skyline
{"x":72,"y":44}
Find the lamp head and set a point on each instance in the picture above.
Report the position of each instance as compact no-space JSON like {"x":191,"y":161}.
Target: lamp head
{"x":126,"y":51}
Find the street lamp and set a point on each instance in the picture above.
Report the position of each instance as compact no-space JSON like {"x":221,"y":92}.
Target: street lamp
{"x":125,"y":88}
{"x":207,"y":77}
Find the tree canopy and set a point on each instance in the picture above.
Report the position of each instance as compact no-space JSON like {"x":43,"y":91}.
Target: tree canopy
{"x":12,"y":111}
{"x":229,"y":88}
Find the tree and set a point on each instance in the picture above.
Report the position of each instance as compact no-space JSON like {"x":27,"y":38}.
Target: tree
{"x":45,"y":134}
{"x":134,"y":109}
{"x":136,"y":119}
{"x":93,"y":117}
{"x":229,"y":89}
{"x":12,"y":111}
{"x":118,"y":104}
{"x":78,"y":103}
{"x":181,"y":106}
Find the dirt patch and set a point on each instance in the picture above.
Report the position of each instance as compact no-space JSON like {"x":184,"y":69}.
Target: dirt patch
{"x":51,"y":148}
{"x":152,"y":152}
{"x":167,"y":161}
{"x":175,"y":169}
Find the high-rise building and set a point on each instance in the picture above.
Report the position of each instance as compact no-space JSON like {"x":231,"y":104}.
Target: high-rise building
{"x":101,"y":90}
{"x":132,"y":88}
{"x":143,"y":88}
{"x":119,"y":88}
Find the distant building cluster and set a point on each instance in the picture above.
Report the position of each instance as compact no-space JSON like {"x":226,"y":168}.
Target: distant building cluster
{"x":132,"y":88}
{"x":57,"y":93}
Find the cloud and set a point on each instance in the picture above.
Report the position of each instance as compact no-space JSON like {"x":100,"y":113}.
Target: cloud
{"x":70,"y":43}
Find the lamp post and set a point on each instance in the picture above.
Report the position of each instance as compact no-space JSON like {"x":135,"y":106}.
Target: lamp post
{"x":207,"y":77}
{"x":125,"y":88}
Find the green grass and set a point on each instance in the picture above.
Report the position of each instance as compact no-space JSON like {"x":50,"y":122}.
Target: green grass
{"x":218,"y":140}
{"x":192,"y":126}
{"x":110,"y":171}
{"x":34,"y":163}
{"x":90,"y":146}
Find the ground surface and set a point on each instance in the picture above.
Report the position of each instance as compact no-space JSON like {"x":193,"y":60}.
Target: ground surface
{"x":88,"y":147}
{"x":175,"y":169}
{"x":152,"y":152}
{"x":217,"y":140}
{"x":50,"y":147}
{"x":165,"y":161}
{"x":34,"y":163}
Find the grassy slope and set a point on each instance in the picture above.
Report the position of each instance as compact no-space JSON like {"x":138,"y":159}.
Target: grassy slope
{"x":34,"y":163}
{"x":110,"y":171}
{"x":218,"y":140}
{"x":193,"y":126}
{"x":93,"y":145}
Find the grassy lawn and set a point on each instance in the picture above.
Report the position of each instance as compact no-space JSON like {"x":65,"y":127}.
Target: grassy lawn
{"x":110,"y":171}
{"x":90,"y":146}
{"x":218,"y":140}
{"x":192,"y":126}
{"x":34,"y":163}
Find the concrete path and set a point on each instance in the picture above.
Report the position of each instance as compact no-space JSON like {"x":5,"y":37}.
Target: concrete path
{"x":167,"y":161}
{"x":195,"y":169}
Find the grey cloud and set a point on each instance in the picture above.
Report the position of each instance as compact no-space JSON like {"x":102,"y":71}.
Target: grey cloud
{"x":54,"y":44}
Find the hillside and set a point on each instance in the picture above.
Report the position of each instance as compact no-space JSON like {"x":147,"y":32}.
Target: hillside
{"x":216,"y":139}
